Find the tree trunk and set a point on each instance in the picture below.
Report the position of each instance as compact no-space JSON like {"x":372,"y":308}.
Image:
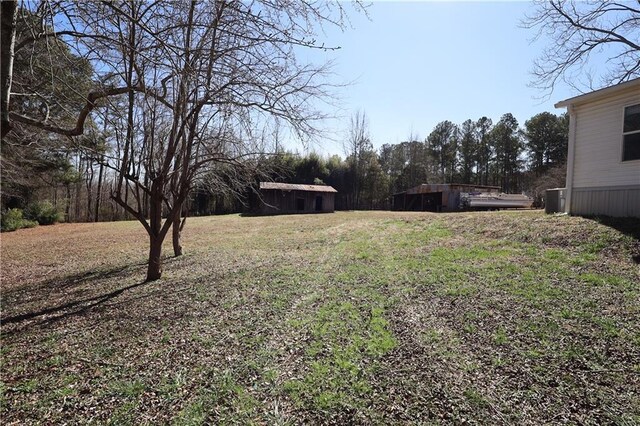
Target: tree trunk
{"x":177,"y":231}
{"x":156,"y":234}
{"x":89,"y":185}
{"x":154,"y":268}
{"x":67,"y":209}
{"x":145,"y":200}
{"x":9,"y":11}
{"x":78,"y":189}
{"x":98,"y":189}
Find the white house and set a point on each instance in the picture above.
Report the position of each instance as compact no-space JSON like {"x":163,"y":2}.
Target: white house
{"x":603,"y":162}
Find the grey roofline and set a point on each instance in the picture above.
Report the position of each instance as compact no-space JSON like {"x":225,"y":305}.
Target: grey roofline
{"x":449,"y":184}
{"x":296,"y":187}
{"x":596,"y":94}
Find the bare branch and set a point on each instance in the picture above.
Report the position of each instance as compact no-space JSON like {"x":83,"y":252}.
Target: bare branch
{"x":82,"y":117}
{"x":580,"y":31}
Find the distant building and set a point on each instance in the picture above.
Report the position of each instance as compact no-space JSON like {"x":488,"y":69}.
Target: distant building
{"x":439,"y":196}
{"x":278,"y":198}
{"x":603,"y":162}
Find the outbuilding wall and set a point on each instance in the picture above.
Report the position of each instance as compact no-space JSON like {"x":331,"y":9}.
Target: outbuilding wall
{"x":436,"y":197}
{"x":276,"y":201}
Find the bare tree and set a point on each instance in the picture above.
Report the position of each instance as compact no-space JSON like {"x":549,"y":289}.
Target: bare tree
{"x":357,"y":144}
{"x":581,"y":30}
{"x":198,"y":80}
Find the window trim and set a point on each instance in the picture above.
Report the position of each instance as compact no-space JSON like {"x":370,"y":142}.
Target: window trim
{"x":624,"y":111}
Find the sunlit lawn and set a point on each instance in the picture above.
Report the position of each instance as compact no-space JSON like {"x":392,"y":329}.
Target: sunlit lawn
{"x":352,"y":317}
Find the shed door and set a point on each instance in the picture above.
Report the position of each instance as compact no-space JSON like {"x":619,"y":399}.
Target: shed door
{"x":318,"y":203}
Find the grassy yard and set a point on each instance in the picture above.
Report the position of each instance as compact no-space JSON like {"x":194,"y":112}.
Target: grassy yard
{"x":354,"y":317}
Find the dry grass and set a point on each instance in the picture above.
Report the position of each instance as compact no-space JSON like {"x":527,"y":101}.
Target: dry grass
{"x":363,"y":317}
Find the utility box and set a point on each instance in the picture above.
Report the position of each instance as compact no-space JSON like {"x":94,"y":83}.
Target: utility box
{"x":554,"y":200}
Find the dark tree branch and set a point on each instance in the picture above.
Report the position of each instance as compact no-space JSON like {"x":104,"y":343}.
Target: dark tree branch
{"x":82,"y":117}
{"x":578,"y":30}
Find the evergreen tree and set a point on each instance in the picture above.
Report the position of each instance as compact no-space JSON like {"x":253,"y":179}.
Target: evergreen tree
{"x":546,"y":141}
{"x":508,"y":147}
{"x":484,"y":150}
{"x":468,"y":150}
{"x":442,"y":145}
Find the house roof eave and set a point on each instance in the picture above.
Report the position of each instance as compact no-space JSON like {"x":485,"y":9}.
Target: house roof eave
{"x":600,"y":93}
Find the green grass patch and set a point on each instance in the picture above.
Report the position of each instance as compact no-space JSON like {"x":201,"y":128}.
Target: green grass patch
{"x":346,"y":342}
{"x":349,"y":318}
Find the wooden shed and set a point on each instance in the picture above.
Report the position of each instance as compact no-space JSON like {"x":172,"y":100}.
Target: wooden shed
{"x":279,"y":198}
{"x":438,"y":196}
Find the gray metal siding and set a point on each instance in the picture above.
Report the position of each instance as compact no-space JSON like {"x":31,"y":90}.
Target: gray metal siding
{"x":607,"y":201}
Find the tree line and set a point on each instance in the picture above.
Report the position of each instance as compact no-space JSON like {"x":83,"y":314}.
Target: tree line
{"x":130,"y":109}
{"x":529,"y":159}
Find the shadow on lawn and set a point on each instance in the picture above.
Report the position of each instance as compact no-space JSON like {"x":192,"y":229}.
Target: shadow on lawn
{"x":629,"y":226}
{"x":75,"y":307}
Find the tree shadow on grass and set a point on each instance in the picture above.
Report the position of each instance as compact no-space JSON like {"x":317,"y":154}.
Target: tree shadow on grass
{"x":50,"y":314}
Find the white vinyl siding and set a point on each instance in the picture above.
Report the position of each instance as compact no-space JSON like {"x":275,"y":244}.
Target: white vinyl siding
{"x":598,"y":147}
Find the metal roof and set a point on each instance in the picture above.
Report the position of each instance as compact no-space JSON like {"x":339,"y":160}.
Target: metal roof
{"x":296,"y":187}
{"x":426,"y":188}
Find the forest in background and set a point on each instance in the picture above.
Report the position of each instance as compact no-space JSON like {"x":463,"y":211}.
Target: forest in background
{"x":74,"y":182}
{"x":105,"y":172}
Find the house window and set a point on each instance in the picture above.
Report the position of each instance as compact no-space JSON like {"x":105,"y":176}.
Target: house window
{"x":631,"y":133}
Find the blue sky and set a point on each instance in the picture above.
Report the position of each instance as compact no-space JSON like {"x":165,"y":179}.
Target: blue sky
{"x":414,"y":64}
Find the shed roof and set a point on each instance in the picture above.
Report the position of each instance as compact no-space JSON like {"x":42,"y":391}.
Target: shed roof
{"x":426,"y":188}
{"x":296,"y":187}
{"x":601,"y":93}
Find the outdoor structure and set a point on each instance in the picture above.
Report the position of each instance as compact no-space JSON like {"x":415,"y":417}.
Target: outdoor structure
{"x":278,"y":198}
{"x":603,"y":162}
{"x":454,"y":197}
{"x":554,"y":199}
{"x":438,"y":197}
